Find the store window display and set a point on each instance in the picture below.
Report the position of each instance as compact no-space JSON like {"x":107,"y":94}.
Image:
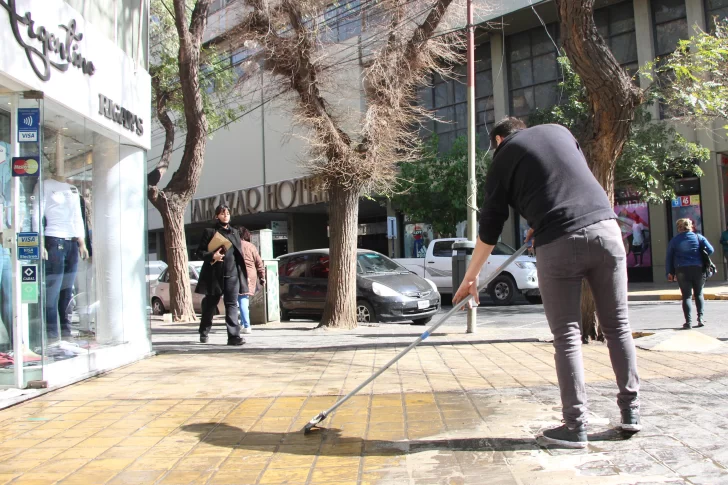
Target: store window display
{"x":6,"y":308}
{"x":63,"y":244}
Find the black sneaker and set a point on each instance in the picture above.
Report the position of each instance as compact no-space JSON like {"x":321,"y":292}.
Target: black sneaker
{"x":565,"y":437}
{"x":203,"y":339}
{"x":687,"y":326}
{"x":236,"y":341}
{"x":630,"y":420}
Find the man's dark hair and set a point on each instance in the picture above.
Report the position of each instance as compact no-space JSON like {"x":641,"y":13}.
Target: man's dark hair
{"x":506,"y":126}
{"x":221,"y":208}
{"x":244,"y":233}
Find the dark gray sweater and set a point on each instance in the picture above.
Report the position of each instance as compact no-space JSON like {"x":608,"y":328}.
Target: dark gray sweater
{"x":542,"y":173}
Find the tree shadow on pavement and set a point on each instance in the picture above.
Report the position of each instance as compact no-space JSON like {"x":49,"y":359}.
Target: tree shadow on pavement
{"x":331,"y":442}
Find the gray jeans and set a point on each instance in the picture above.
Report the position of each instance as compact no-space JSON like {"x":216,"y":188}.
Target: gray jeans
{"x":596,"y":253}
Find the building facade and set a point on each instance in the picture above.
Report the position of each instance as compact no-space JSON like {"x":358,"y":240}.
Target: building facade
{"x":75,"y":100}
{"x":516,"y":73}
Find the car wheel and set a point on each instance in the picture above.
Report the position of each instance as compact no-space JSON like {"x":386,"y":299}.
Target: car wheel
{"x":422,"y":321}
{"x":365,"y":312}
{"x":285,"y":315}
{"x":157,"y":307}
{"x":502,"y":290}
{"x":534,"y":299}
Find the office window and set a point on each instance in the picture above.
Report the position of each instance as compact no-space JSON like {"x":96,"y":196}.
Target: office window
{"x":218,"y":5}
{"x":716,"y":8}
{"x":237,"y":60}
{"x":342,"y":21}
{"x":616,"y":26}
{"x":533,"y":70}
{"x":448,"y":98}
{"x":671,"y":25}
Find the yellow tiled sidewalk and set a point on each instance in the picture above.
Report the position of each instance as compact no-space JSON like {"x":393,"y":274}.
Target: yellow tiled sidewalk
{"x":448,"y":414}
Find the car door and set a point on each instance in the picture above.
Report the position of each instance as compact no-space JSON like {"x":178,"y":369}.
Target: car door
{"x":500,"y":253}
{"x":196,"y":297}
{"x":162,"y":289}
{"x":439,"y":264}
{"x":293,"y":282}
{"x":319,"y":279}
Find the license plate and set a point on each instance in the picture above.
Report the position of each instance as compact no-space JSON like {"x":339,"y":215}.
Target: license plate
{"x":421,"y":305}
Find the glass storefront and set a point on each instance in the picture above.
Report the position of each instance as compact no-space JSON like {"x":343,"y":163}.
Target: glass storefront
{"x":633,"y":217}
{"x":417,"y":238}
{"x":73,"y":258}
{"x":686,"y":205}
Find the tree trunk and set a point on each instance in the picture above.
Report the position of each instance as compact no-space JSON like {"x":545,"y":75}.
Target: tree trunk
{"x":340,"y":308}
{"x":180,"y":293}
{"x":613,"y":100}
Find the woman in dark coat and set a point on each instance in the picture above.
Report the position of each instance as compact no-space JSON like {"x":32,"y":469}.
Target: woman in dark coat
{"x":223,"y":274}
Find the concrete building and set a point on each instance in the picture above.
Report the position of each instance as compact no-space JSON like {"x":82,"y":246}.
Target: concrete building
{"x":75,"y":123}
{"x":517,"y":72}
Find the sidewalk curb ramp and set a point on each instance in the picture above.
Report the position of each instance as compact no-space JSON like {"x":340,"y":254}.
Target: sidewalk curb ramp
{"x":675,"y":297}
{"x":681,"y":341}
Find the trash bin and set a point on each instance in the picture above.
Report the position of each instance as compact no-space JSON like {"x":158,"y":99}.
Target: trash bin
{"x":462,"y":253}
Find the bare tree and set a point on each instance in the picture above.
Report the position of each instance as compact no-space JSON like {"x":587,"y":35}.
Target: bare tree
{"x":402,"y":47}
{"x":172,"y":200}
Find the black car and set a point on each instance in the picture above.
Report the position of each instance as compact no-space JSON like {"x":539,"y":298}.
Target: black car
{"x":385,"y":291}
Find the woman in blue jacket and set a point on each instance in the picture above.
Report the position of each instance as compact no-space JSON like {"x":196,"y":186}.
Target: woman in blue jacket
{"x":685,"y":265}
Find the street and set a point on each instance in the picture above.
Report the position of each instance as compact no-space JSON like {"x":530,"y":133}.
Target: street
{"x":644,"y":316}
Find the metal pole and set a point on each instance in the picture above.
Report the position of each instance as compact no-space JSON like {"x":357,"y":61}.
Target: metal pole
{"x":472,"y":189}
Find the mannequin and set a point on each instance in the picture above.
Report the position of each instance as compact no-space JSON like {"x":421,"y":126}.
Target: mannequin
{"x":62,"y":245}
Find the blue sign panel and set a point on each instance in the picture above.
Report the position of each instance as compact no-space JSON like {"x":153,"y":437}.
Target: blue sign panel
{"x":28,"y":246}
{"x":28,"y":254}
{"x":28,"y":124}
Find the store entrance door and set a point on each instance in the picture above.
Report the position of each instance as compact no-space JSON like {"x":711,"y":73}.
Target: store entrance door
{"x":21,"y":336}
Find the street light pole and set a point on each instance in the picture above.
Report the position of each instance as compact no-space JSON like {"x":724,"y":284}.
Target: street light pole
{"x":472,"y":189}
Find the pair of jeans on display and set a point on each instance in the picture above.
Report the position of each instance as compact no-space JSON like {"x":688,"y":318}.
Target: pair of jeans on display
{"x":60,"y":274}
{"x":6,"y":302}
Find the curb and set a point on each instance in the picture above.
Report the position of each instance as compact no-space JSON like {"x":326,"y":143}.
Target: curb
{"x":673,"y":297}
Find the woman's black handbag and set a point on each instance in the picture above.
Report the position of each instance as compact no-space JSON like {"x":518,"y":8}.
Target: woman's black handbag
{"x":709,"y":268}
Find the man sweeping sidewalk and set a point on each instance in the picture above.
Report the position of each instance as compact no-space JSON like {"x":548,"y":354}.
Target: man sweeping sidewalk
{"x":543,"y":174}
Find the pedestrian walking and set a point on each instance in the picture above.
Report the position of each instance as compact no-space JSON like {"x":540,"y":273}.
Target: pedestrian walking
{"x":223,"y":275}
{"x":256,"y":274}
{"x":724,"y":244}
{"x":685,"y":264}
{"x":542,"y":173}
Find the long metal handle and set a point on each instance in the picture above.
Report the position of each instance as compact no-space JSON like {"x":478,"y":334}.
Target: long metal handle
{"x":429,"y":331}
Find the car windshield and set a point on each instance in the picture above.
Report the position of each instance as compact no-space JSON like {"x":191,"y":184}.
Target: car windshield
{"x":503,"y":249}
{"x":155,"y":268}
{"x":376,"y":263}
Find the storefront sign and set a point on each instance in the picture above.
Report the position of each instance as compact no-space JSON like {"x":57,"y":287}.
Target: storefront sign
{"x":57,"y":51}
{"x":29,"y":283}
{"x":29,"y":273}
{"x":279,"y":196}
{"x":28,"y":124}
{"x":28,"y":246}
{"x":120,"y":115}
{"x":25,"y":167}
{"x":280,"y":230}
{"x":686,"y":201}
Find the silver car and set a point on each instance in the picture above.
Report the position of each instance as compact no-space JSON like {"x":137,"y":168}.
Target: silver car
{"x":159,"y":292}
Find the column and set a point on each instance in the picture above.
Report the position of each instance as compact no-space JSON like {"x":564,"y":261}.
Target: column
{"x":645,"y":44}
{"x":500,"y":76}
{"x":132,"y":198}
{"x":107,"y":242}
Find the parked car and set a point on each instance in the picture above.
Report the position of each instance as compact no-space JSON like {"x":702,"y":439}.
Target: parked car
{"x":159,"y":292}
{"x":154,"y":269}
{"x":385,"y":290}
{"x":519,"y":277}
